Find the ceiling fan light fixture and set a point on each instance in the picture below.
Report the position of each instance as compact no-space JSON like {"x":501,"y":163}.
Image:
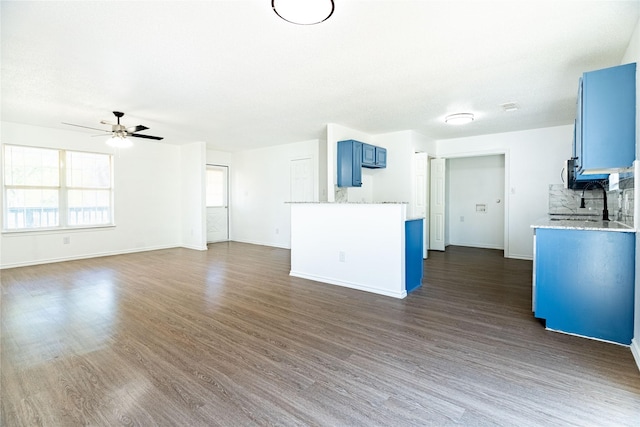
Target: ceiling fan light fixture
{"x":119,"y":141}
{"x":459,"y":118}
{"x":303,"y":12}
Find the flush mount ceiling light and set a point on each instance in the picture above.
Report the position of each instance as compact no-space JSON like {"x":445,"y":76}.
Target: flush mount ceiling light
{"x":458,"y":118}
{"x":303,"y":12}
{"x":509,"y":107}
{"x":119,"y":140}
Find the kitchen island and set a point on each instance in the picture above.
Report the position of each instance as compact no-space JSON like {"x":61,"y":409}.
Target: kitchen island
{"x":372,"y":247}
{"x":583,"y":277}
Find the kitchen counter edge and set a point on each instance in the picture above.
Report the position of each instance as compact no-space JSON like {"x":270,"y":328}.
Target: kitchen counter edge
{"x":591,"y":225}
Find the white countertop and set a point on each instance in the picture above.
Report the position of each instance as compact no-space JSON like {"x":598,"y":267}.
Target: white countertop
{"x":582,"y":224}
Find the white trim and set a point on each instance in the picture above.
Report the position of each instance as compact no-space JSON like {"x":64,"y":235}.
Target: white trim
{"x":87,"y":256}
{"x":635,"y":350}
{"x":590,"y":338}
{"x":476,"y":245}
{"x":255,"y":242}
{"x":519,"y":256}
{"x":194,"y":247}
{"x":357,"y":286}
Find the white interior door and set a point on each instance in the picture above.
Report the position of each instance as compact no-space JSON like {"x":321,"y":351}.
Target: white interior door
{"x":217,"y":203}
{"x":301,"y":171}
{"x":437,"y":216}
{"x":421,"y":196}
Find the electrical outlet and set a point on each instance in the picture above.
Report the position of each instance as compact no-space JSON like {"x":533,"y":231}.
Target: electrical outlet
{"x":66,"y":240}
{"x":461,"y":219}
{"x":277,"y":231}
{"x":342,"y":256}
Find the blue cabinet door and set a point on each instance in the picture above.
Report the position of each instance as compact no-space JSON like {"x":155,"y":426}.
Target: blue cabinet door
{"x":585,"y":282}
{"x":374,"y":157}
{"x":368,"y":155}
{"x":381,"y":157}
{"x":605,"y":136}
{"x":413,"y":254}
{"x":349,"y":157}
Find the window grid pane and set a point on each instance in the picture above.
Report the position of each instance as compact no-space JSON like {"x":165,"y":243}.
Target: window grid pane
{"x":215,"y":188}
{"x":88,"y":170}
{"x":29,"y":208}
{"x":89,"y":207}
{"x":33,"y":167}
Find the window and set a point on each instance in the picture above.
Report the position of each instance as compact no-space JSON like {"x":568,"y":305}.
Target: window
{"x":48,"y":188}
{"x":216,"y":186}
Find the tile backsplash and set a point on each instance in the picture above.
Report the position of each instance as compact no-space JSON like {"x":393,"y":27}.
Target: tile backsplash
{"x":564,"y":201}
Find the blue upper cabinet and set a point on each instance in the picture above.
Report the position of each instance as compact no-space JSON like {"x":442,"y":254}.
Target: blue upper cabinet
{"x":606,"y":120}
{"x":381,"y":157}
{"x":373,"y":157}
{"x":349,"y":163}
{"x":353,"y":156}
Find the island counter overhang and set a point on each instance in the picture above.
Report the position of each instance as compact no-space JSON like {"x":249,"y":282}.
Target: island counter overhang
{"x":356,"y":245}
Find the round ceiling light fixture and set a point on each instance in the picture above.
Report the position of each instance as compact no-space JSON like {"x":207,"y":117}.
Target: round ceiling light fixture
{"x":303,"y":12}
{"x":459,"y":118}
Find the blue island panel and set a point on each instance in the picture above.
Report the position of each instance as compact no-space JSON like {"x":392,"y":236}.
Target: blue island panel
{"x":413,"y":254}
{"x":585,"y":282}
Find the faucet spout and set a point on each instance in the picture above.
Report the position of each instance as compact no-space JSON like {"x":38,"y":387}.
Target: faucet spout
{"x":605,"y":210}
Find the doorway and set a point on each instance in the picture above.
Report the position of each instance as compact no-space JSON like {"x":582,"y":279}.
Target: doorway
{"x":475,"y":201}
{"x":468,"y":201}
{"x":217,"y":203}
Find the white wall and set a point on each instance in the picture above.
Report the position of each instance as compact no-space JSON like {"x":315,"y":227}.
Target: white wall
{"x":192,"y":197}
{"x":533,"y":160}
{"x":323,"y":190}
{"x":393,"y":183}
{"x":260,"y":189}
{"x":146,"y":189}
{"x":220,"y":158}
{"x":472,"y":181}
{"x":356,"y":245}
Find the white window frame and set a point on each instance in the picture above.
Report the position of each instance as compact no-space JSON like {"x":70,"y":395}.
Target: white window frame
{"x":63,"y":190}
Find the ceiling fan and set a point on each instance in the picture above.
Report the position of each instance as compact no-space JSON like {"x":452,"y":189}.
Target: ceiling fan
{"x":120,"y":133}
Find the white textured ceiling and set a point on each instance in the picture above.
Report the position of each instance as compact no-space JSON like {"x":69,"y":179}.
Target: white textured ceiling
{"x":233,"y":74}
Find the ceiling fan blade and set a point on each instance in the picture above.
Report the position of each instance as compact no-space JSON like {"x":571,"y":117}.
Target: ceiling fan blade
{"x":86,"y":127}
{"x":139,"y":135}
{"x":138,"y":128}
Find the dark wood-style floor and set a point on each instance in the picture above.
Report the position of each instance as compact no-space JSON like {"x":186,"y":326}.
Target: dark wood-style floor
{"x":227,"y":337}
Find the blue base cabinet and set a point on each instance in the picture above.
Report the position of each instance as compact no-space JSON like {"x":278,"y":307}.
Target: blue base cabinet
{"x":413,"y":254}
{"x":585,"y":282}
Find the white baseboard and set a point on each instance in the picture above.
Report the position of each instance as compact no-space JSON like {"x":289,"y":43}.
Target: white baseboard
{"x":195,"y":247}
{"x":476,"y":245}
{"x":635,"y":350}
{"x":587,"y":337}
{"x":357,"y":286}
{"x":523,"y":257}
{"x":85,"y":256}
{"x":255,"y":242}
